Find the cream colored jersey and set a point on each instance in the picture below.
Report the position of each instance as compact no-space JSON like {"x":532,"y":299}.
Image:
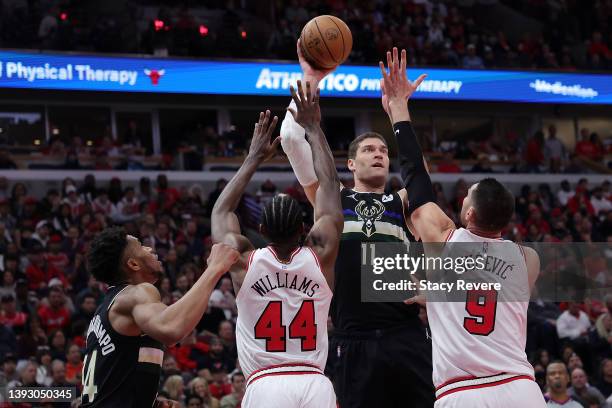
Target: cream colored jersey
{"x":282,"y":314}
{"x":482,"y":339}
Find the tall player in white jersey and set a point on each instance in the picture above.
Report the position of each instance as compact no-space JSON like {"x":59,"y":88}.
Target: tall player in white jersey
{"x":283,"y":291}
{"x":478,"y":344}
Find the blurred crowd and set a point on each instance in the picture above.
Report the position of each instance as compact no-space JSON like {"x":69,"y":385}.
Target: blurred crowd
{"x":562,"y":34}
{"x":47,"y":296}
{"x":544,"y":152}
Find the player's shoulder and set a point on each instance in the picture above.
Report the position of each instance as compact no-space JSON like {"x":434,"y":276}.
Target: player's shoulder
{"x":133,"y":295}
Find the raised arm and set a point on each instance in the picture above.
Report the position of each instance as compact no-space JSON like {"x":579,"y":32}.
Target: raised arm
{"x":324,"y":236}
{"x":170,"y":324}
{"x":293,"y":141}
{"x":225,"y":225}
{"x":430,"y":222}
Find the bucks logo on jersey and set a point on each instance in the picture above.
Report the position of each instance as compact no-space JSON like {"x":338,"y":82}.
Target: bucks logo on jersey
{"x":373,"y":217}
{"x":369,"y":214}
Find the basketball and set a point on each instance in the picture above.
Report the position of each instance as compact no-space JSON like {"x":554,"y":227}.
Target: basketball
{"x":326,"y":42}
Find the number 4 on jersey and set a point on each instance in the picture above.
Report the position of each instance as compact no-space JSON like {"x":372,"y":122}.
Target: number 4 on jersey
{"x":270,"y":327}
{"x":89,"y":367}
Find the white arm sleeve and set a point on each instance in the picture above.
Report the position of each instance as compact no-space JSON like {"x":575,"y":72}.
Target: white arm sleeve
{"x":293,"y":141}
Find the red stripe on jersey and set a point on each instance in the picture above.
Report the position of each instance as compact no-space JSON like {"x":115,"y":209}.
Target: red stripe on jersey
{"x":286,"y":373}
{"x":250,"y":259}
{"x":293,"y":254}
{"x":450,"y":234}
{"x":282,"y":366}
{"x":491,"y":384}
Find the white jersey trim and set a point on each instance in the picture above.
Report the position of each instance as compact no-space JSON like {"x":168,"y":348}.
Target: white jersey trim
{"x":470,"y":383}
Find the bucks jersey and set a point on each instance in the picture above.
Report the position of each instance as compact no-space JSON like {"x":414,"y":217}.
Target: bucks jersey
{"x":118,"y":370}
{"x":368,"y":217}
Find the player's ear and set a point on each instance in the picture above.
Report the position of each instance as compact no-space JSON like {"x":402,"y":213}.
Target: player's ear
{"x":351,"y":165}
{"x":133,"y":264}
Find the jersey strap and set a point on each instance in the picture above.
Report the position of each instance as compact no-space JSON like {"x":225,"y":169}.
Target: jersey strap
{"x":284,"y":369}
{"x":471,"y":383}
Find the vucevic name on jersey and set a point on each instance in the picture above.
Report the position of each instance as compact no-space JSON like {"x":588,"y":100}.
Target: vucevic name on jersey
{"x":118,"y":370}
{"x":368,"y":217}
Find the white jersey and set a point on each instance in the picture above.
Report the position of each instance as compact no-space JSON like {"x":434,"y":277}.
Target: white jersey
{"x":282,"y":314}
{"x":486,"y":336}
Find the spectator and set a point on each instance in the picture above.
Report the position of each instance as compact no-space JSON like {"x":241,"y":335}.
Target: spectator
{"x":193,"y":401}
{"x":40,"y":272}
{"x":55,"y":258}
{"x":585,"y":147}
{"x":533,"y":154}
{"x":228,"y":339}
{"x":471,"y":60}
{"x":218,"y":385}
{"x":8,"y":285}
{"x":103,"y":205}
{"x":449,"y":165}
{"x":32,"y":337}
{"x":580,"y":388}
{"x":87,"y":310}
{"x":599,"y":202}
{"x":128,"y":208}
{"x":9,"y":369}
{"x":58,"y":377}
{"x":554,"y":150}
{"x":63,"y":220}
{"x":565,"y":193}
{"x":174,"y":389}
{"x":189,"y":352}
{"x":10,"y":317}
{"x":580,"y":202}
{"x":234,"y":399}
{"x":557,"y":380}
{"x":573,"y":323}
{"x":27,"y":376}
{"x":57,"y":340}
{"x":42,"y":233}
{"x":223,"y":298}
{"x":76,"y":203}
{"x":43,"y":372}
{"x":605,"y":383}
{"x":56,"y":315}
{"x":74,"y":365}
{"x":199,"y":387}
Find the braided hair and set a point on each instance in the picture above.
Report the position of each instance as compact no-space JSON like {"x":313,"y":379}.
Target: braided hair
{"x":282,"y":218}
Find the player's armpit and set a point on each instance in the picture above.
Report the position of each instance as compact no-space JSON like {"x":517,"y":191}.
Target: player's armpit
{"x":431,"y":223}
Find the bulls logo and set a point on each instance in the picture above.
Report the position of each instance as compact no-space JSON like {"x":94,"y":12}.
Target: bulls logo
{"x":369,"y":214}
{"x":154,"y":74}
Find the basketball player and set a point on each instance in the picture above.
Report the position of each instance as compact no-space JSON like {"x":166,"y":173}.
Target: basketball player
{"x":479,"y":344}
{"x":381,"y":353}
{"x":283,"y":291}
{"x":127,"y":335}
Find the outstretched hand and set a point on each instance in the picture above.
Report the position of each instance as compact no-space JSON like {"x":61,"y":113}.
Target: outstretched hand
{"x":395,"y":85}
{"x":261,"y":148}
{"x":311,"y":73}
{"x":308,"y":113}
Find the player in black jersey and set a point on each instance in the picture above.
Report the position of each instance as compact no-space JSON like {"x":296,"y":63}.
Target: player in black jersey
{"x":380,"y":354}
{"x":128,"y":333}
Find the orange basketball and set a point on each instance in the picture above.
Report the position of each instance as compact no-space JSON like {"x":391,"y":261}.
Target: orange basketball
{"x":326,"y":42}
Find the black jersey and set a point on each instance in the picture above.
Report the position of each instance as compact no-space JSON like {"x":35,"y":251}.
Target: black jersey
{"x":368,"y":217}
{"x":118,"y":370}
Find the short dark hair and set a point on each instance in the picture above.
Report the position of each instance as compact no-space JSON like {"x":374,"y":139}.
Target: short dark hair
{"x":494,"y":205}
{"x":105,"y":254}
{"x":236,"y":374}
{"x":354,"y":146}
{"x":282,"y":218}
